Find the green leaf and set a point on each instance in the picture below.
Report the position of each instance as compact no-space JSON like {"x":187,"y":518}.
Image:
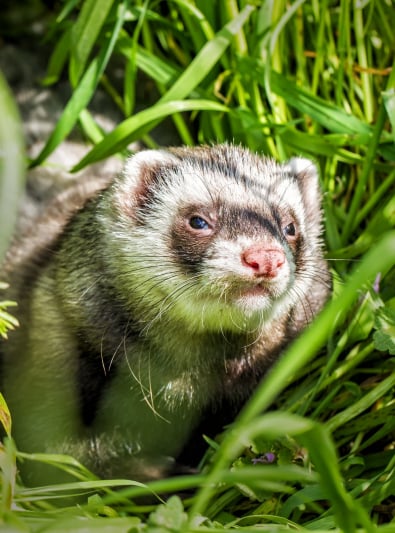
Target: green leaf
{"x":384,"y":337}
{"x":58,"y":59}
{"x":8,"y":474}
{"x":85,"y":33}
{"x":81,"y":95}
{"x":361,"y":323}
{"x":7,"y":321}
{"x":325,"y":113}
{"x":67,"y":8}
{"x":362,"y":404}
{"x":329,"y":145}
{"x":319,"y":443}
{"x":169,"y":516}
{"x":12,"y":164}
{"x":389,"y":104}
{"x":303,"y":496}
{"x":154,"y":66}
{"x":134,"y":127}
{"x":330,"y":116}
{"x":5,"y":416}
{"x":207,"y":58}
{"x":323,"y":454}
{"x":96,"y":506}
{"x":139,"y":124}
{"x":382,"y":221}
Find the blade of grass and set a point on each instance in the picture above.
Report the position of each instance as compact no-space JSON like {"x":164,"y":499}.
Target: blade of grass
{"x":197,"y":70}
{"x":82,"y":94}
{"x":157,"y":69}
{"x":12,"y":164}
{"x":194,"y":17}
{"x":129,"y":91}
{"x":58,"y":59}
{"x":85,"y":32}
{"x":363,"y":404}
{"x":350,"y":223}
{"x":322,"y":111}
{"x":367,"y":169}
{"x":321,"y":45}
{"x":169,"y":485}
{"x":8,"y":474}
{"x":349,"y":513}
{"x":231,"y":9}
{"x":133,"y":127}
{"x":389,"y":103}
{"x":366,"y":78}
{"x":382,"y":221}
{"x":342,"y":49}
{"x":375,"y":198}
{"x":329,"y":145}
{"x":95,"y":484}
{"x":90,"y":127}
{"x":66,"y":10}
{"x":332,"y":117}
{"x":5,"y":416}
{"x":317,"y":439}
{"x":206,"y":58}
{"x":281,"y":15}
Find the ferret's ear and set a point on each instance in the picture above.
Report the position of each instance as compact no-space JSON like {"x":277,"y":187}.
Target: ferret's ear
{"x":306,"y":174}
{"x":145,"y":165}
{"x":141,"y":172}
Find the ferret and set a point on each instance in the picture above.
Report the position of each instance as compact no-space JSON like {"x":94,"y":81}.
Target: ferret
{"x":155,"y":300}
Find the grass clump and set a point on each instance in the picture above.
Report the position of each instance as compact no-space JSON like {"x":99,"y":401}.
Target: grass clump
{"x":314,"y":448}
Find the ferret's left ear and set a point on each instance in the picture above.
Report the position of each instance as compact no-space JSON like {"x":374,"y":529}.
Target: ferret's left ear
{"x":306,"y":174}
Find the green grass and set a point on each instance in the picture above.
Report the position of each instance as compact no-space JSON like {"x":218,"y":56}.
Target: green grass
{"x":308,"y":77}
{"x":12,"y":164}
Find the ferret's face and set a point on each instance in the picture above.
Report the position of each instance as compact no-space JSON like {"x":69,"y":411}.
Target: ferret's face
{"x":217,"y":236}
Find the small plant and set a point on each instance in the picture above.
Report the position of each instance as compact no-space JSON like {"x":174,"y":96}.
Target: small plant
{"x":7,"y":321}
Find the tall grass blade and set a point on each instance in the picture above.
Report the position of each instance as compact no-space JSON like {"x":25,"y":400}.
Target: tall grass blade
{"x":332,"y":117}
{"x":12,"y":164}
{"x":58,"y":58}
{"x":82,"y":94}
{"x":85,"y":33}
{"x":134,"y":127}
{"x":206,"y":58}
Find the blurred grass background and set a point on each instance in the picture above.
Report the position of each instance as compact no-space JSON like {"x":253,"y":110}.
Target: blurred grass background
{"x":308,"y":77}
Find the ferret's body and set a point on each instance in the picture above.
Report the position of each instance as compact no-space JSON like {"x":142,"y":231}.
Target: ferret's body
{"x":157,"y":297}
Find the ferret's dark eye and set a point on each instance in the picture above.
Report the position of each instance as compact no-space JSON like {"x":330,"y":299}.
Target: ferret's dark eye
{"x":290,"y":230}
{"x":198,"y":223}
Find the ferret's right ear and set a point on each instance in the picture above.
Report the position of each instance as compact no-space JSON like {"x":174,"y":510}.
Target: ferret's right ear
{"x":141,"y":173}
{"x":307,"y":177}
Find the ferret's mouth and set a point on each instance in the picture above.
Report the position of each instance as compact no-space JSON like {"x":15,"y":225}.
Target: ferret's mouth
{"x":254,"y":294}
{"x":253,"y":298}
{"x":257,"y":296}
{"x":254,"y":291}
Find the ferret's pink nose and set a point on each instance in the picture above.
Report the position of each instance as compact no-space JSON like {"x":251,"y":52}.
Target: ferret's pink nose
{"x":263,"y":261}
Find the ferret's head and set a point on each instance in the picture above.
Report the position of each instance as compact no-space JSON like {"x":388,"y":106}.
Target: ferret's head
{"x":214,"y":237}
